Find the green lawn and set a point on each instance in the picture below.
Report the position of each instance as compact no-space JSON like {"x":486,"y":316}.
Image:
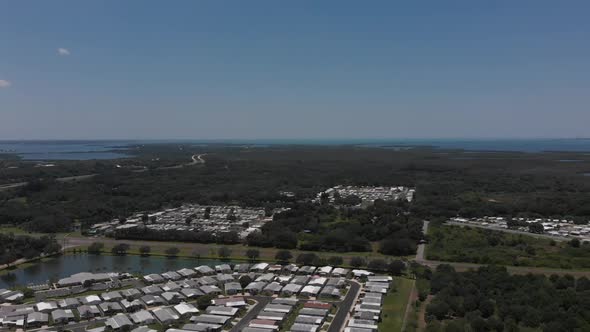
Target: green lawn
{"x":394,"y":305}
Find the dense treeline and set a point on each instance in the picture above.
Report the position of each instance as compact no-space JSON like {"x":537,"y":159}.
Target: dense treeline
{"x":490,"y":299}
{"x":448,"y":183}
{"x":314,"y":227}
{"x":16,"y":247}
{"x":322,"y":227}
{"x":14,"y":171}
{"x":141,"y":233}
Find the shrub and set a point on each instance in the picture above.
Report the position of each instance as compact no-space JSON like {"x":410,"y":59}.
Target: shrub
{"x":357,"y":261}
{"x":172,"y":251}
{"x":224,"y":252}
{"x":283,"y":256}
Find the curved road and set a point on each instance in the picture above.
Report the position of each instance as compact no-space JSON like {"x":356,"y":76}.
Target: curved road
{"x":63,"y":179}
{"x":345,"y":307}
{"x":12,"y":185}
{"x":244,"y":321}
{"x":198,"y":159}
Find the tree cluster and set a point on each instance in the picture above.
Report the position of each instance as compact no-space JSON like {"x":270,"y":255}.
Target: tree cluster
{"x":321,"y":227}
{"x":144,"y":233}
{"x":490,"y":299}
{"x":14,"y":247}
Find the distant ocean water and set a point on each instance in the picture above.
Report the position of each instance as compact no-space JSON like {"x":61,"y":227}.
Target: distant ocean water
{"x":64,"y":150}
{"x":516,"y":145}
{"x":86,"y":150}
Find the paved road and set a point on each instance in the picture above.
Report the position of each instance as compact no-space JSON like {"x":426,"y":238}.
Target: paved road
{"x":82,"y":326}
{"x":195,"y":160}
{"x":422,"y":247}
{"x":344,"y":308}
{"x":63,"y":179}
{"x":75,"y":178}
{"x":75,"y":326}
{"x":198,"y":159}
{"x":12,"y":185}
{"x":262,"y":302}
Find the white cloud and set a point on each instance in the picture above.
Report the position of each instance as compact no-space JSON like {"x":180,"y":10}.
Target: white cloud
{"x":63,"y":51}
{"x":4,"y":84}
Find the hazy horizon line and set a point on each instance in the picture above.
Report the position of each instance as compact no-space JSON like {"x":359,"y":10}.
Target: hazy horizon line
{"x":296,"y":139}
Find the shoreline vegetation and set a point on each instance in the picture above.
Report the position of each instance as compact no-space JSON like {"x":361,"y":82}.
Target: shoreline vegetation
{"x":236,"y":252}
{"x":22,"y":248}
{"x":240,"y":253}
{"x":528,"y":251}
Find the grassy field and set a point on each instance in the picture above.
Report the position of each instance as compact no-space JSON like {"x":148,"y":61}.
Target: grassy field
{"x":199,"y":250}
{"x":482,"y":246}
{"x":202,"y":250}
{"x":75,"y":242}
{"x":394,"y":305}
{"x":17,"y":231}
{"x":20,"y":231}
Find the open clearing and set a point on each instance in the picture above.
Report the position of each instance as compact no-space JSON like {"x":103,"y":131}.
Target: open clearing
{"x":394,"y":305}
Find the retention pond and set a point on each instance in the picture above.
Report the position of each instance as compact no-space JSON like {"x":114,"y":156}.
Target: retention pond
{"x":62,"y":266}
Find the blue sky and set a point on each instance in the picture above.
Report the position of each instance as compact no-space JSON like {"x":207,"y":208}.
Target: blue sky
{"x":298,"y":69}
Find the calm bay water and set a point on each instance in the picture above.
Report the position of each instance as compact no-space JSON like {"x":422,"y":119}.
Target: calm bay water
{"x":66,"y":265}
{"x":490,"y":145}
{"x":65,"y":150}
{"x":86,"y":150}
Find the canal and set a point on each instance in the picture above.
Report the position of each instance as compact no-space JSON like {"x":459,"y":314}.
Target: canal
{"x":62,"y":266}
